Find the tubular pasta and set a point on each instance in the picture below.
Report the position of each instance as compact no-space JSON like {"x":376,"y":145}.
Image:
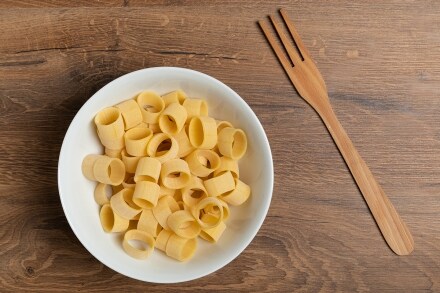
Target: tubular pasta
{"x":162,"y":239}
{"x":154,"y":127}
{"x":215,"y":211}
{"x":148,"y":169}
{"x":228,"y":164}
{"x":164,"y":208}
{"x":162,"y":147}
{"x":87,"y":166}
{"x":232,"y":143}
{"x":203,"y":162}
{"x":110,"y":221}
{"x":131,"y":113}
{"x":178,"y":96}
{"x":239,"y":195}
{"x":183,"y":224}
{"x":207,"y":203}
{"x":142,"y":236}
{"x":195,"y":107}
{"x":136,"y":140}
{"x":169,"y":174}
{"x":148,"y":223}
{"x":185,"y":146}
{"x":180,"y":248}
{"x":175,"y":174}
{"x":194,"y":192}
{"x":151,"y":105}
{"x":109,"y":170}
{"x":213,"y":234}
{"x":172,"y":119}
{"x":122,"y":204}
{"x":219,"y":185}
{"x":146,"y":194}
{"x":222,"y":124}
{"x":113,"y":153}
{"x":110,"y":128}
{"x":129,"y":162}
{"x":102,"y":193}
{"x":202,"y":132}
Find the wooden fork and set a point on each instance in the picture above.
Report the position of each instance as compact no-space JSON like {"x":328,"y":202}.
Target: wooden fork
{"x":311,"y":87}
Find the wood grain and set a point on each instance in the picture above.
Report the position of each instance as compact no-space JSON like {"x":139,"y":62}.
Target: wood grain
{"x":379,"y":61}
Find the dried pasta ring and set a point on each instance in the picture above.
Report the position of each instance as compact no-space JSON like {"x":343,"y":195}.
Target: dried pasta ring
{"x":202,"y":132}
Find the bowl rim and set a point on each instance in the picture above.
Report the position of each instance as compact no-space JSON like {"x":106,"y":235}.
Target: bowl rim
{"x":230,"y":91}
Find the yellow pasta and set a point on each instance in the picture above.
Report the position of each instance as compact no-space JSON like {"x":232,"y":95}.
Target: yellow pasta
{"x":195,"y":107}
{"x":223,"y":124}
{"x":194,"y":192}
{"x":141,"y":236}
{"x":228,"y":164}
{"x":185,"y":146}
{"x":113,"y":153}
{"x":202,"y":132}
{"x":169,"y":174}
{"x":219,"y":185}
{"x":129,"y":181}
{"x":148,"y":169}
{"x":146,"y":194}
{"x":151,"y":105}
{"x":110,"y":128}
{"x":164,"y":208}
{"x":154,"y":127}
{"x":215,"y":210}
{"x":207,"y":203}
{"x":129,"y":162}
{"x":162,"y":147}
{"x":102,"y":193}
{"x":212,"y":234}
{"x":183,"y":224}
{"x":148,"y":223}
{"x":162,"y":239}
{"x":136,"y":140}
{"x":131,"y":113}
{"x":174,"y":97}
{"x":172,"y":119}
{"x":203,"y":162}
{"x":175,"y":174}
{"x":103,"y":169}
{"x":232,"y":143}
{"x":239,"y":195}
{"x":180,"y":248}
{"x":110,"y":221}
{"x":122,"y":204}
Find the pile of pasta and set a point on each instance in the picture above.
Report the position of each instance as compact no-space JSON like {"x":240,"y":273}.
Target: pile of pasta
{"x":173,"y":172}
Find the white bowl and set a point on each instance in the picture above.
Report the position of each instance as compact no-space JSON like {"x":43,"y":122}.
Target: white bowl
{"x":76,"y":192}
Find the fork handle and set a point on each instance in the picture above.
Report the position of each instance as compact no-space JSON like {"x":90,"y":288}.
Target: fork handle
{"x":393,"y":228}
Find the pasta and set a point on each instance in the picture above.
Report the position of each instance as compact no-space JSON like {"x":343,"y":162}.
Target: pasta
{"x":110,"y":128}
{"x":203,"y":162}
{"x":178,"y":96}
{"x":232,"y":142}
{"x":151,"y":106}
{"x":136,"y":140}
{"x":141,"y":236}
{"x":131,"y":113}
{"x":172,"y":119}
{"x":175,"y":174}
{"x":203,"y":132}
{"x":169,"y":173}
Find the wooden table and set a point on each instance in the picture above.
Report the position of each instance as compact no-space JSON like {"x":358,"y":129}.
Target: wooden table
{"x":381,"y":62}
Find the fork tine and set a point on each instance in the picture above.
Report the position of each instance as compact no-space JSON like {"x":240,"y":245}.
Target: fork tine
{"x":299,"y":43}
{"x":277,"y":49}
{"x":286,"y":42}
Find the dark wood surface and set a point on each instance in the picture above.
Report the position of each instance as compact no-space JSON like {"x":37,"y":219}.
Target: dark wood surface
{"x":381,"y":63}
